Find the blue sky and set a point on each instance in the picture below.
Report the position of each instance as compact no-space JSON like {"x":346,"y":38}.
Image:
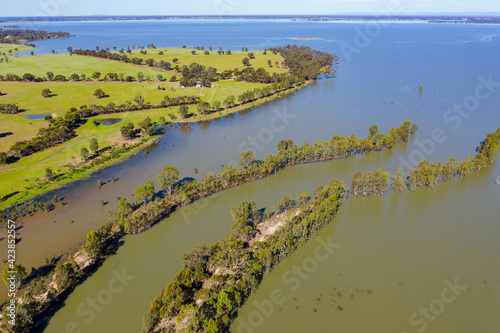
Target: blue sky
{"x":239,"y":7}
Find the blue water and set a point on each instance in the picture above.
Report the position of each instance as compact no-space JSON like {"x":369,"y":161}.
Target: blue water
{"x":37,"y":116}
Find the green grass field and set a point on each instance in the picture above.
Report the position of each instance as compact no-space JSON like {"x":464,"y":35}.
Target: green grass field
{"x":69,"y":94}
{"x":221,"y":62}
{"x":74,"y":94}
{"x":11,"y":48}
{"x":65,"y":64}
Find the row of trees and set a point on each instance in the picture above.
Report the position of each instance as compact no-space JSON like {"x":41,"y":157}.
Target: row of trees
{"x":426,"y":174}
{"x":151,"y":207}
{"x":60,"y":130}
{"x":233,"y":269}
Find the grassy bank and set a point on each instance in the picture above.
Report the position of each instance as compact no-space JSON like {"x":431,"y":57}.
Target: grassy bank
{"x":6,"y":48}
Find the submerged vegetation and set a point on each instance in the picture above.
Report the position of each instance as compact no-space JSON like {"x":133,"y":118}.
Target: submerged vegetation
{"x":151,"y":207}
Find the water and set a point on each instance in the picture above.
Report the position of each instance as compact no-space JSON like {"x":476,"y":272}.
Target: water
{"x":110,"y":121}
{"x":37,"y":116}
{"x":449,"y":61}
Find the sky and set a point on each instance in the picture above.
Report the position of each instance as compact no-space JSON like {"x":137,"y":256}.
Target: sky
{"x":240,"y":7}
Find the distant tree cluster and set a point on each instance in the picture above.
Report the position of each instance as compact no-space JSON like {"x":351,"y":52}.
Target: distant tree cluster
{"x":16,"y":36}
{"x":304,"y":62}
{"x":120,"y":56}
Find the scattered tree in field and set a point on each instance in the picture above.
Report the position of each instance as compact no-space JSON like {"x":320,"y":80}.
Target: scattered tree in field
{"x":139,"y":99}
{"x":216,"y":105}
{"x":246,"y":61}
{"x":184,"y":111}
{"x":168,"y":178}
{"x":173,"y":78}
{"x":70,"y":50}
{"x":128,"y":131}
{"x":159,"y":77}
{"x":175,"y":60}
{"x":251,"y":55}
{"x":140,"y":76}
{"x":207,"y":52}
{"x":246,"y":158}
{"x":49,"y":175}
{"x":46,"y":93}
{"x":94,"y":145}
{"x":270,"y":63}
{"x":99,"y":93}
{"x":74,"y":77}
{"x":96,"y":76}
{"x":50,"y":76}
{"x":228,"y":52}
{"x":193,"y":52}
{"x":84,"y":152}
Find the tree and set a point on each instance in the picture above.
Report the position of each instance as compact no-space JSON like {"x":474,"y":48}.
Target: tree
{"x":270,"y":63}
{"x":46,"y":93}
{"x":159,"y":77}
{"x":251,"y":55}
{"x":146,"y":192}
{"x":193,"y":52}
{"x":140,"y":76}
{"x":96,"y":76}
{"x":397,"y":182}
{"x":167,"y":178}
{"x":246,"y":158}
{"x":20,"y":273}
{"x":246,"y":61}
{"x":74,"y":77}
{"x":216,"y":105}
{"x":49,"y":174}
{"x":206,"y":52}
{"x":128,"y":132}
{"x":94,"y":145}
{"x":99,"y":93}
{"x":84,"y":152}
{"x":50,"y":76}
{"x":203,"y":107}
{"x":139,"y":100}
{"x":93,"y":245}
{"x":70,"y":49}
{"x":184,"y":111}
{"x":175,"y":60}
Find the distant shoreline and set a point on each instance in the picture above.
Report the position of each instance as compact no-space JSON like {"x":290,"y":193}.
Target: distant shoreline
{"x":456,"y":19}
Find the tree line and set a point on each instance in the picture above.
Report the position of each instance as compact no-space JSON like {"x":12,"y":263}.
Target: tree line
{"x":60,"y":130}
{"x":216,"y":280}
{"x":426,"y":174}
{"x":151,"y":206}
